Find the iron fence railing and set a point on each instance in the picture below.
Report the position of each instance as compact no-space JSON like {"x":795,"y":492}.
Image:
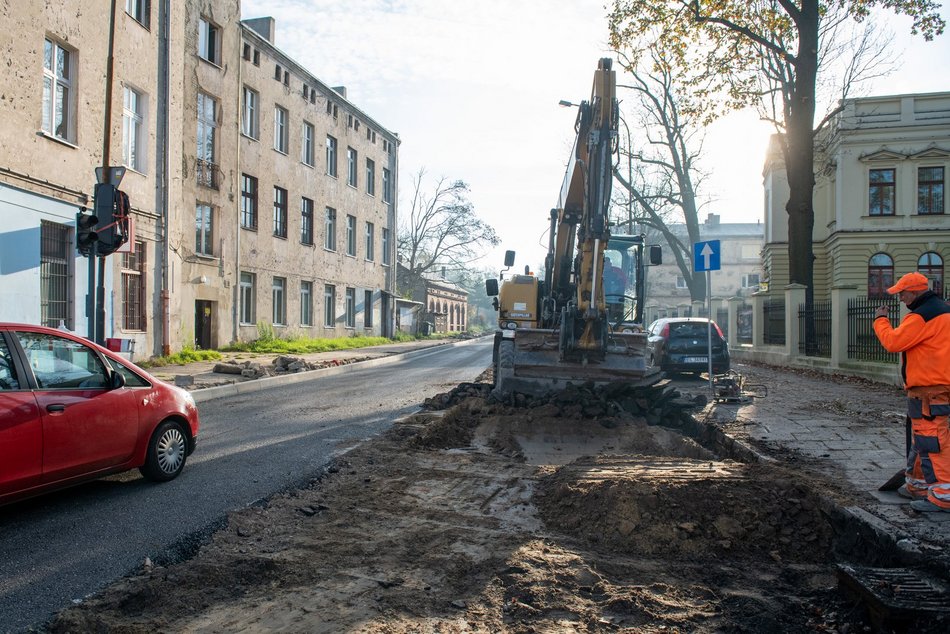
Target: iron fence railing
{"x":862,"y":342}
{"x":820,"y":318}
{"x":744,"y":323}
{"x":773,"y":322}
{"x":722,"y":319}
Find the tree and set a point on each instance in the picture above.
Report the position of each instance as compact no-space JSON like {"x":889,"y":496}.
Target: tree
{"x":441,"y":229}
{"x":753,"y":50}
{"x":664,"y":184}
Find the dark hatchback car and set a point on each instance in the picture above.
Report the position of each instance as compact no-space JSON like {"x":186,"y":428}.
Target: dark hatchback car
{"x":72,"y":411}
{"x":681,"y":344}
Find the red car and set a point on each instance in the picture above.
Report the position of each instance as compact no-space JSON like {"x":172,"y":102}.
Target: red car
{"x":72,"y":411}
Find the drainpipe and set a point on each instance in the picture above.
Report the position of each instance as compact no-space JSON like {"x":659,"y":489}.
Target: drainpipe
{"x":236,"y":301}
{"x":163,"y":163}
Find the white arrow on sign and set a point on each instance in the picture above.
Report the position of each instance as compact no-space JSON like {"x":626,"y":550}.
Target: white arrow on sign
{"x":706,"y":253}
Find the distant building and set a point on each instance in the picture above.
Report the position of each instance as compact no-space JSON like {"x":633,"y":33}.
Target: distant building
{"x":740,"y":272}
{"x":445,"y":304}
{"x":880,"y":207}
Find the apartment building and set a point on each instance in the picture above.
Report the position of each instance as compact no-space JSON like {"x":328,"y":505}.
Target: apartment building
{"x":226,"y":207}
{"x":880,"y":209}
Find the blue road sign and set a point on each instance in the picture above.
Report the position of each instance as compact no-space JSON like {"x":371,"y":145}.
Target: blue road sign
{"x":706,"y":256}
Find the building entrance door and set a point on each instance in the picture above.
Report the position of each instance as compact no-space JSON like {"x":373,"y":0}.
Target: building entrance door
{"x":204,"y":313}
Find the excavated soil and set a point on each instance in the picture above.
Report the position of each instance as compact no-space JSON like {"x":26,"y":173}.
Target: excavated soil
{"x":497,"y":518}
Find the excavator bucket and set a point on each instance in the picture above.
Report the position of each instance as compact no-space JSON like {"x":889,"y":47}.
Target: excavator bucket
{"x":531,"y":362}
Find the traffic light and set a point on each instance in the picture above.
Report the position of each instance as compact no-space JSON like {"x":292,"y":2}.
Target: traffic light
{"x":85,"y":232}
{"x":112,"y":213}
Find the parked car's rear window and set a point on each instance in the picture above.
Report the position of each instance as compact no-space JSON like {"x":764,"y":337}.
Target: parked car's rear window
{"x":8,"y":378}
{"x":690,"y":329}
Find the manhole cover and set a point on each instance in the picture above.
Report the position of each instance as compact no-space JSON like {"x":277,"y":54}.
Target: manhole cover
{"x":896,"y":593}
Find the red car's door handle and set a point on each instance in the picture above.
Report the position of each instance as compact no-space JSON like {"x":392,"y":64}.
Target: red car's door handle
{"x":56,"y":407}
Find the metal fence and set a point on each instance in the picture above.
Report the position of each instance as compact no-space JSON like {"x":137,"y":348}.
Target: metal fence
{"x":722,"y":318}
{"x":862,"y":342}
{"x":744,"y":323}
{"x":773,"y":314}
{"x":820,"y":318}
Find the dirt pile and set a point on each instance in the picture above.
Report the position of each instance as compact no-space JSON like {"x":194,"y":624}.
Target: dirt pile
{"x":492,"y":517}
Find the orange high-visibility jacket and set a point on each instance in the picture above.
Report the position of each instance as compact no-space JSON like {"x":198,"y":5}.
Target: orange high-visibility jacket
{"x":923,"y":339}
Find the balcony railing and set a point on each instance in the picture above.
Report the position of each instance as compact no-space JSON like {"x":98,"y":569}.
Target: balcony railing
{"x":207,"y":173}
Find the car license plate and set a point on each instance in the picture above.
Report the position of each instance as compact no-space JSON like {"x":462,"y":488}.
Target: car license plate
{"x":696,"y":360}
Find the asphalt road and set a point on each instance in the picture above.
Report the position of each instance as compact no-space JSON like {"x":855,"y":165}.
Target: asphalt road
{"x":61,"y":547}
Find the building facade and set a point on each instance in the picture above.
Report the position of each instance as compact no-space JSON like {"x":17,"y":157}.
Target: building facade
{"x":879,"y":202}
{"x":224,"y":236}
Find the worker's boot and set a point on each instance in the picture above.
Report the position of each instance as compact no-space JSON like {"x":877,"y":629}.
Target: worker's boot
{"x":926,"y":506}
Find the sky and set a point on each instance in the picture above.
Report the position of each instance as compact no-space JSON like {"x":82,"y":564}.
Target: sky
{"x":472,"y":88}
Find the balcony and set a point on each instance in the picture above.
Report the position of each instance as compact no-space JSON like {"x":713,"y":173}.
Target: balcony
{"x":207,"y":174}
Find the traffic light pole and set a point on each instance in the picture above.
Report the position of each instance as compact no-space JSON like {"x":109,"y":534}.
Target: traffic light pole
{"x":101,"y":302}
{"x":91,"y":294}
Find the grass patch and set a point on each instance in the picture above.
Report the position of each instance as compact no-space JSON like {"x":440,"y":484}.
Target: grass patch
{"x":304,"y":345}
{"x":188,"y":355}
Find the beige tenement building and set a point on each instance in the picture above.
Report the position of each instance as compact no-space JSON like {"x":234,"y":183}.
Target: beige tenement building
{"x":259,"y":194}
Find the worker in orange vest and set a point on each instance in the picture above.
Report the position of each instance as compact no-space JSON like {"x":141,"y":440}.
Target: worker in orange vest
{"x":923,"y":341}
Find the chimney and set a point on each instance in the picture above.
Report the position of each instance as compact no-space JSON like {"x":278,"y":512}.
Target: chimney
{"x":712,"y":220}
{"x":340,"y":90}
{"x":262,"y":26}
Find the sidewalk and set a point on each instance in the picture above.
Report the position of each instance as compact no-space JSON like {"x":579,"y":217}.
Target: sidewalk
{"x":851,"y":430}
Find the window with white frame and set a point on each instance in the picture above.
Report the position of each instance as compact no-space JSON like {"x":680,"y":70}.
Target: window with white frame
{"x":351,"y":235}
{"x":133,"y":129}
{"x":306,"y":303}
{"x":351,"y":168}
{"x":281,"y":138}
{"x":367,"y":309}
{"x":209,"y":41}
{"x":248,"y":282}
{"x":387,"y":186}
{"x":331,"y":156}
{"x":207,"y":132}
{"x":384,"y":245}
{"x":306,"y":149}
{"x":139,"y":10}
{"x":350,"y":316}
{"x":204,"y":229}
{"x":370,"y":241}
{"x":306,"y":221}
{"x":370,"y":177}
{"x":750,"y":280}
{"x":251,"y":117}
{"x":279,"y":299}
{"x":681,"y":282}
{"x":329,"y":229}
{"x":280,"y":212}
{"x":59,"y":99}
{"x":329,"y":305}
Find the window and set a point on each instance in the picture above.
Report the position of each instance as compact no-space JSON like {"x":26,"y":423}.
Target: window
{"x":350,"y":316}
{"x":248,"y":202}
{"x":246,"y":52}
{"x":930,"y":264}
{"x":881,"y":192}
{"x":257,"y":57}
{"x":370,"y":241}
{"x":387,"y":186}
{"x":207,"y":129}
{"x":8,"y":377}
{"x":329,"y":228}
{"x":209,"y":45}
{"x":930,"y":190}
{"x":55,"y":277}
{"x":279,"y":297}
{"x":133,"y":288}
{"x":749,"y":251}
{"x":385,"y":246}
{"x":367,"y":309}
{"x":306,"y":221}
{"x":331,"y":156}
{"x":306,"y":150}
{"x":750,"y":280}
{"x":280,"y":212}
{"x":59,"y":363}
{"x":133,"y":130}
{"x":286,"y":77}
{"x":138,"y":9}
{"x":681,"y":282}
{"x":370,"y":177}
{"x":278,"y":72}
{"x":58,"y":98}
{"x":248,"y":283}
{"x":880,"y":274}
{"x":204,"y":230}
{"x":351,"y":167}
{"x":329,"y":306}
{"x":281,"y":141}
{"x":306,"y":303}
{"x":351,"y":235}
{"x":251,"y":117}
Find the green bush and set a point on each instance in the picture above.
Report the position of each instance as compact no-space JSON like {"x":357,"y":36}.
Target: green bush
{"x":187,"y":355}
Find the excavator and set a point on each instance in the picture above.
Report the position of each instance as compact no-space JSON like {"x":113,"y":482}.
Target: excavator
{"x":580,"y":323}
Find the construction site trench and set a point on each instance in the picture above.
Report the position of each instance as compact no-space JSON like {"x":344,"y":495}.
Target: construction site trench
{"x":591,"y":510}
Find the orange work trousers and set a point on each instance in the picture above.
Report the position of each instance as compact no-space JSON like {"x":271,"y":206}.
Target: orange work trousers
{"x":928,"y":464}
